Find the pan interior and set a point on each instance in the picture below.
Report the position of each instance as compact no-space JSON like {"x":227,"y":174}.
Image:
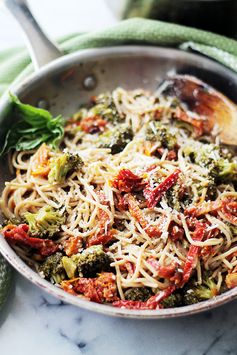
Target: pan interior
{"x":69,"y":82}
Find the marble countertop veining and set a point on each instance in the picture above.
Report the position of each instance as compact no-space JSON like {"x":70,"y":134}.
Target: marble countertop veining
{"x":34,"y":323}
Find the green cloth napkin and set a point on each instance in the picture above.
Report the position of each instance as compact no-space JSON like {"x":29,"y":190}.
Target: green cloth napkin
{"x":15,"y":63}
{"x":5,"y":280}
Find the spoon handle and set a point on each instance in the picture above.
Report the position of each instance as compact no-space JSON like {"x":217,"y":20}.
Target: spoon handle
{"x":42,"y":50}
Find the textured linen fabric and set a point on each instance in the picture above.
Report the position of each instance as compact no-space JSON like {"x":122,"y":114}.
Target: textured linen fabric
{"x":15,"y":63}
{"x":5,"y":280}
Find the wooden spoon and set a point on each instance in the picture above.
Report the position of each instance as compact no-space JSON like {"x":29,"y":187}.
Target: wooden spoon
{"x":210,"y":104}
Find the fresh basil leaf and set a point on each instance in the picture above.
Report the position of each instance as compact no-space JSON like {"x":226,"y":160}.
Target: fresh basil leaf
{"x":34,"y":126}
{"x":31,"y":114}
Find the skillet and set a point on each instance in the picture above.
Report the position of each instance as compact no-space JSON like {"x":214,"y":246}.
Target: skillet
{"x":67,"y":81}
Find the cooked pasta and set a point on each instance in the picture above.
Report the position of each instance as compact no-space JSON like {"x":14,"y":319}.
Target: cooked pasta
{"x":137,"y":207}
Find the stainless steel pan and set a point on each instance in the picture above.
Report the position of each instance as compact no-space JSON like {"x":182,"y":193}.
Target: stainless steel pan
{"x":70,"y":80}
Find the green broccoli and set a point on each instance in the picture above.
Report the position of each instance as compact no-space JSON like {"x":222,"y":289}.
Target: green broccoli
{"x":105,"y":107}
{"x":190,"y":297}
{"x":69,"y":266}
{"x":45,"y":222}
{"x":207,"y":289}
{"x":233,"y":228}
{"x":210,"y":157}
{"x":201,"y":153}
{"x":79,"y":115}
{"x":223,"y":170}
{"x":91,"y":261}
{"x":157,"y":132}
{"x":116,"y":139}
{"x":138,"y":294}
{"x":223,"y":288}
{"x":52,"y":268}
{"x":173,"y":196}
{"x":201,"y":292}
{"x":12,"y":220}
{"x":211,"y":189}
{"x":174,"y":300}
{"x":63,"y":165}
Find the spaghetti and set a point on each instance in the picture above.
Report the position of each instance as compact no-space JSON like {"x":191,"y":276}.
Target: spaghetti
{"x":154,"y":198}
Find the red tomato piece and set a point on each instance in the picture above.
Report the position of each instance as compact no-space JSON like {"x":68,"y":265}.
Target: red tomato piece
{"x":93,"y":124}
{"x":205,"y":207}
{"x":99,"y":289}
{"x":104,"y":234}
{"x":72,"y":245}
{"x":152,"y":303}
{"x":153,"y":195}
{"x":136,"y":212}
{"x":126,"y":181}
{"x":165,"y":272}
{"x":229,"y":209}
{"x":198,"y":235}
{"x":19,"y":235}
{"x":176,"y":232}
{"x":200,"y":126}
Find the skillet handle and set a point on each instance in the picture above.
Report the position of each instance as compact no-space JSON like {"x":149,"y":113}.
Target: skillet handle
{"x":42,"y":50}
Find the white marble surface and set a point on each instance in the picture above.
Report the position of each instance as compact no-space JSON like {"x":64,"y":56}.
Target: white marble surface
{"x":33,"y":323}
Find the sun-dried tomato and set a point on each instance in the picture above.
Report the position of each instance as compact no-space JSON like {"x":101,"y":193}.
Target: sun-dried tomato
{"x":19,"y":235}
{"x":153,"y":195}
{"x":127,"y":181}
{"x":154,"y":302}
{"x":171,"y":155}
{"x":72,"y":245}
{"x":104,"y":234}
{"x":170,"y":272}
{"x":202,"y":209}
{"x":99,"y":289}
{"x":93,"y":124}
{"x":136,"y":212}
{"x":229,"y":209}
{"x":198,"y":235}
{"x":200,"y":126}
{"x":176,"y":232}
{"x":165,"y":272}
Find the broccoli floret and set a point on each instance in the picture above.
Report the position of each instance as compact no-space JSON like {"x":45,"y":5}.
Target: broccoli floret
{"x":202,"y":154}
{"x":116,"y":139}
{"x":91,"y":261}
{"x":210,"y":157}
{"x":211,"y":189}
{"x":45,"y":222}
{"x":156,"y":132}
{"x":79,"y":115}
{"x":12,"y":220}
{"x":223,"y":170}
{"x":190,"y":297}
{"x":207,"y":290}
{"x":63,"y":165}
{"x":233,"y":228}
{"x":52,"y":268}
{"x":138,"y":294}
{"x":69,"y":266}
{"x":223,"y":288}
{"x":174,"y":197}
{"x":201,"y":292}
{"x":174,"y":300}
{"x":105,"y":107}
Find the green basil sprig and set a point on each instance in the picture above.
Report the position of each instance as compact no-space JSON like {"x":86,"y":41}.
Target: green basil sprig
{"x":33,"y":127}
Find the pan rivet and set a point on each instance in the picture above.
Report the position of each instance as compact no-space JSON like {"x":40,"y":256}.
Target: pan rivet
{"x":89,"y":82}
{"x":42,"y":103}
